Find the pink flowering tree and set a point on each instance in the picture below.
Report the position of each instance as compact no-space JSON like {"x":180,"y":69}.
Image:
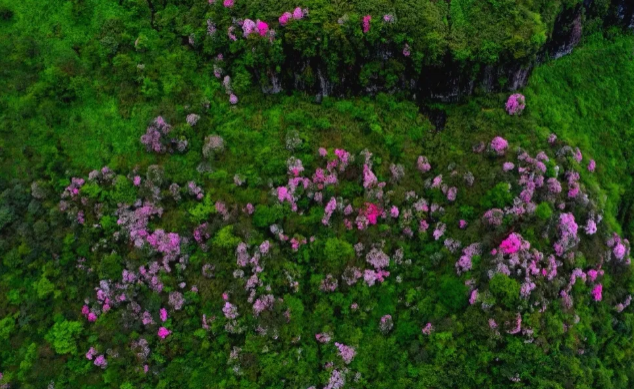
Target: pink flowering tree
{"x":515,"y":104}
{"x":499,"y":145}
{"x":366,"y":23}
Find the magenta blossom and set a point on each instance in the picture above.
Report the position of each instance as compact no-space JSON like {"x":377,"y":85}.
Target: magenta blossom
{"x":101,"y":362}
{"x":248,"y":27}
{"x":597,"y":292}
{"x":619,"y":250}
{"x":230,"y":310}
{"x":592,"y":165}
{"x":262,"y":27}
{"x":474,"y":297}
{"x":163,"y":314}
{"x":298,"y":13}
{"x":347,"y":353}
{"x":499,"y":145}
{"x":366,"y":23}
{"x":406,"y":50}
{"x":284,"y":18}
{"x":515,"y":104}
{"x":512,"y":244}
{"x":163,"y":332}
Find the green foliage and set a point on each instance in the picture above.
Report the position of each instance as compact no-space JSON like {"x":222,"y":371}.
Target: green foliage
{"x":505,"y":289}
{"x":62,"y":336}
{"x":497,"y":197}
{"x":337,"y":253}
{"x":452,"y":292}
{"x":225,"y":238}
{"x":202,"y":210}
{"x":110,"y":267}
{"x":44,"y":287}
{"x":123,"y":191}
{"x":265,"y":216}
{"x":7,"y":326}
{"x":544,"y":211}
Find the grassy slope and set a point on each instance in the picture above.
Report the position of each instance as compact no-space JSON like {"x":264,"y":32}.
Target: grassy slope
{"x":585,"y":99}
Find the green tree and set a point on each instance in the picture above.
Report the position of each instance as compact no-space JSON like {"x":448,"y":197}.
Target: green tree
{"x":62,"y":336}
{"x":337,"y":252}
{"x":44,"y":287}
{"x":505,"y":289}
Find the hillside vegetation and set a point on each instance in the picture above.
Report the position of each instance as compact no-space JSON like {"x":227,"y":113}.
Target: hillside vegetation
{"x":155,"y":233}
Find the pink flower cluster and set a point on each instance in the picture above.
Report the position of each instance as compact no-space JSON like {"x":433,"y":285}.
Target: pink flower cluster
{"x":494,"y":217}
{"x":167,"y":244}
{"x":592,"y":165}
{"x":297,"y":14}
{"x":91,"y":353}
{"x":366,"y":23}
{"x":368,"y":215}
{"x":330,"y":208}
{"x":474,"y":297}
{"x":347,"y":353}
{"x":91,"y":316}
{"x":101,"y":361}
{"x":439,"y":231}
{"x":511,"y":244}
{"x":423,"y":164}
{"x":386,"y":324}
{"x":621,"y":306}
{"x":251,"y":27}
{"x":369,"y":179}
{"x":72,"y":190}
{"x":163,"y":332}
{"x":406,"y":50}
{"x":378,"y":259}
{"x":371,"y":277}
{"x":263,"y":303}
{"x":499,"y":145}
{"x":323,"y":337}
{"x":568,"y":233}
{"x":515,"y":104}
{"x":329,"y":284}
{"x":464,"y":263}
{"x":155,"y":135}
{"x":597,"y":292}
{"x":230,"y":310}
{"x":192,"y":119}
{"x":336,"y":381}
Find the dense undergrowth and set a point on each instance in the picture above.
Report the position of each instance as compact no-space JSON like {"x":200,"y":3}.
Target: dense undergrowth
{"x":425,"y":281}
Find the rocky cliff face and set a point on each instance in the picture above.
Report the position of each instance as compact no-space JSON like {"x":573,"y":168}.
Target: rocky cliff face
{"x":451,"y":81}
{"x":625,"y":12}
{"x":567,"y":33}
